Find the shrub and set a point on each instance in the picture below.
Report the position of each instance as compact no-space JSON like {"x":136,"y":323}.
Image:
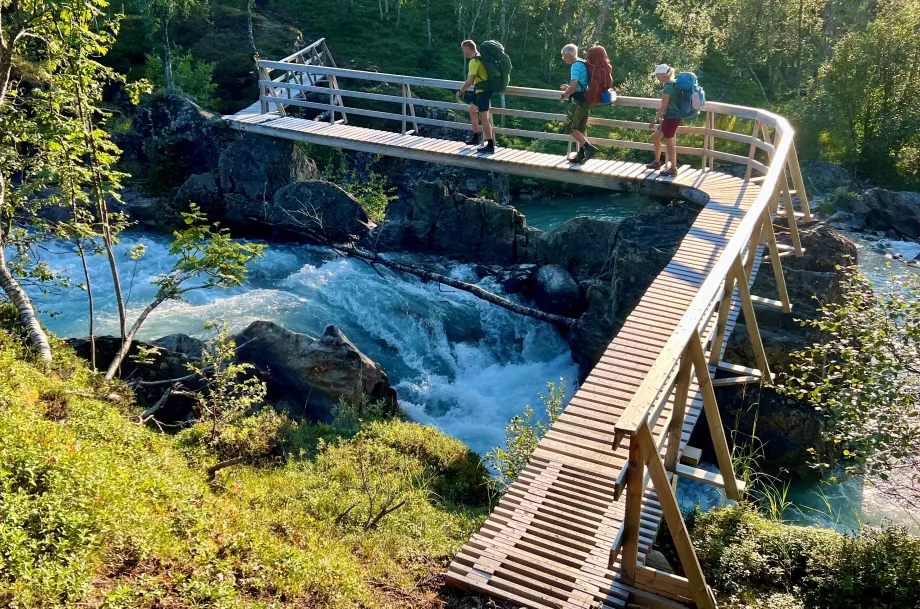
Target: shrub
{"x":522,"y":434}
{"x":254,"y":438}
{"x":191,"y":77}
{"x":839,"y":199}
{"x":458,"y":474}
{"x":747,"y":557}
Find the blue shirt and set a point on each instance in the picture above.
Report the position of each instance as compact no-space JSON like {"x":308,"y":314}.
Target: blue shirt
{"x":580,"y":73}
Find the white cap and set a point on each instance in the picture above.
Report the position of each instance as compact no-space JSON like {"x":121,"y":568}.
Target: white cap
{"x":661,"y":68}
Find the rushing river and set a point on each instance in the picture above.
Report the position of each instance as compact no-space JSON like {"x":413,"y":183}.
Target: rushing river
{"x":457,"y":362}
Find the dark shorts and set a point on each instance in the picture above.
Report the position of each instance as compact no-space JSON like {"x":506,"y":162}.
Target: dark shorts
{"x":669,"y":127}
{"x":577,"y":119}
{"x":482,"y":101}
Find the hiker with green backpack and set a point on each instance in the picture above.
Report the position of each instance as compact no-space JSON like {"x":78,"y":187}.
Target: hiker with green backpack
{"x":488,"y":72}
{"x":681,"y":99}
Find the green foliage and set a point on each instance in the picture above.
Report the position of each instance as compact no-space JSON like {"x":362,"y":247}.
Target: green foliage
{"x":370,"y":188}
{"x":840,"y":199}
{"x":522,"y":434}
{"x":194,"y":78}
{"x":99,"y":511}
{"x":458,"y":475}
{"x":229,"y":391}
{"x":748,"y":558}
{"x":256,"y":437}
{"x":865,"y":377}
{"x":869,"y":93}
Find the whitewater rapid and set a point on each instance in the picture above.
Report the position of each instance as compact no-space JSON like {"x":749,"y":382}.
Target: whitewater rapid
{"x":457,"y":362}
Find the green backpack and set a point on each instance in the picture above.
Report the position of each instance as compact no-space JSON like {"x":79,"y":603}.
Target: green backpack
{"x":497,"y":64}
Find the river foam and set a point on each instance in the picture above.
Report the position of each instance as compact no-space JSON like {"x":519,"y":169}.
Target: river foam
{"x":459,"y":363}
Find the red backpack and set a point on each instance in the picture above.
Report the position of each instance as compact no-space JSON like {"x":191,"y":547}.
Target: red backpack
{"x":600,"y":74}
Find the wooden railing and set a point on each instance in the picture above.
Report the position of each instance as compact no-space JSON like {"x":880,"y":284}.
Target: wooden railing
{"x":771,"y":154}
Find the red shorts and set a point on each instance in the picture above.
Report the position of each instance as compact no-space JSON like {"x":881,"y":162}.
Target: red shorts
{"x":669,"y":127}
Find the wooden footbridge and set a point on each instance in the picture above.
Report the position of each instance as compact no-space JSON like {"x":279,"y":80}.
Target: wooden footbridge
{"x":566,"y":534}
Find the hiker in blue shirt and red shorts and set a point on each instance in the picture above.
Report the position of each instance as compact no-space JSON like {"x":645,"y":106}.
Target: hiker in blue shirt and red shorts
{"x":666,"y":121}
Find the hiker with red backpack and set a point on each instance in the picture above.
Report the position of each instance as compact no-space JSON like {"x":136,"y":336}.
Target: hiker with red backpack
{"x":681,"y":99}
{"x":590,"y":79}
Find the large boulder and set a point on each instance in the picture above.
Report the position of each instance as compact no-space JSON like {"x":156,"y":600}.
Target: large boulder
{"x":639,"y":248}
{"x":556,"y":291}
{"x":309,"y":375}
{"x":202,"y":190}
{"x":823,"y":177}
{"x":457,"y":225}
{"x":582,"y":245}
{"x":253,"y":169}
{"x":888,"y":210}
{"x":329,"y":210}
{"x":168,"y":359}
{"x":172,"y":138}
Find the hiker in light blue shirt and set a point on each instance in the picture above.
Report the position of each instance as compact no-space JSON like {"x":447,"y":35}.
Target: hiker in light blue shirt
{"x":576,"y":123}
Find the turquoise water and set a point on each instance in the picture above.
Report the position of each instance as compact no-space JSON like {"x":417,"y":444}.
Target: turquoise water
{"x":547,"y":214}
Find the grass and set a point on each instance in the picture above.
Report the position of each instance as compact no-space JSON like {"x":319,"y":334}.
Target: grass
{"x":97,"y":510}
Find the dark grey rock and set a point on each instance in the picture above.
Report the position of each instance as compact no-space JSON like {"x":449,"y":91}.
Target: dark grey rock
{"x":202,"y":190}
{"x":309,"y":375}
{"x":581,"y":245}
{"x":822,"y":177}
{"x":331,"y":210}
{"x":556,"y":291}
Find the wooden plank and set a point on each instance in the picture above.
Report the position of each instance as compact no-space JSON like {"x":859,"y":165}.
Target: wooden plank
{"x":705,"y":476}
{"x":691,"y":456}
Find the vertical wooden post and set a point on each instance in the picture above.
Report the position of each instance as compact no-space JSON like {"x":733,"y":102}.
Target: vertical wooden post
{"x":776,"y":262}
{"x":676,"y":427}
{"x":753,"y":244}
{"x":753,"y":149}
{"x":750,"y":320}
{"x":676,"y":525}
{"x":707,"y":125}
{"x":790,"y":215}
{"x":412,"y":110}
{"x":796,"y":170}
{"x":635,"y":489}
{"x":713,"y":419}
{"x":725,"y":304}
{"x":712,"y":139}
{"x":404,"y":109}
{"x":328,"y":61}
{"x":263,"y":75}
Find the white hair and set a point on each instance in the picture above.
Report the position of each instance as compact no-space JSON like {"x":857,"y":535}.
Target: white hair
{"x":570,"y":49}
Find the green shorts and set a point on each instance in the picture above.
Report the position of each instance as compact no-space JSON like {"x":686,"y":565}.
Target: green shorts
{"x":577,"y":117}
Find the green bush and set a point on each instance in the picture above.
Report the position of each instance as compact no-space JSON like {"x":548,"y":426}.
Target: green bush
{"x":458,"y":473}
{"x":747,"y":557}
{"x":840,"y":199}
{"x":254,"y":438}
{"x":194,"y":78}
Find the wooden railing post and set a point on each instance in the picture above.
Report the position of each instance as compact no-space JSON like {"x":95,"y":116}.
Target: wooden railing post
{"x":678,"y":413}
{"x":725,"y":306}
{"x":750,"y":320}
{"x":681,"y":537}
{"x":635,"y":489}
{"x":708,"y":139}
{"x":753,"y":149}
{"x":796,"y":170}
{"x":776,"y":262}
{"x":404,"y":108}
{"x":412,"y":111}
{"x":790,"y":215}
{"x":263,"y":90}
{"x":713,"y":418}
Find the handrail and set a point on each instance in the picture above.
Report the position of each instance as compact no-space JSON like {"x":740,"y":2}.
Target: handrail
{"x":272,"y":86}
{"x":644,"y":399}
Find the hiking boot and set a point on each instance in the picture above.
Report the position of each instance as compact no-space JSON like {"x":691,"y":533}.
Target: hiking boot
{"x":668,"y":173}
{"x":488,"y":147}
{"x":589,"y":151}
{"x":656,"y":166}
{"x":579,"y":157}
{"x":473,"y":139}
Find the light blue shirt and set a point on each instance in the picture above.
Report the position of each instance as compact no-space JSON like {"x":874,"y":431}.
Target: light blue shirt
{"x":580,"y":73}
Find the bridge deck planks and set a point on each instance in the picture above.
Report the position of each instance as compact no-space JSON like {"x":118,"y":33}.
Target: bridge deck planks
{"x":547,"y":544}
